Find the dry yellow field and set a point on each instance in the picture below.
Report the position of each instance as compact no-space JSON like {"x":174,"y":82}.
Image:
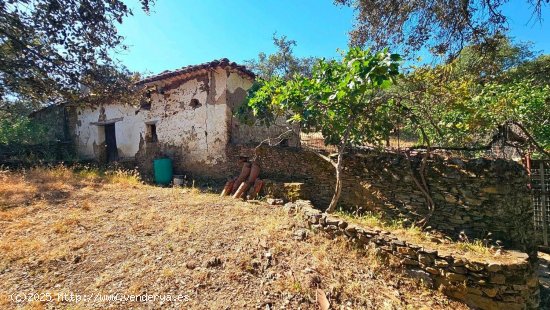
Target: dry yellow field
{"x":108,"y":237}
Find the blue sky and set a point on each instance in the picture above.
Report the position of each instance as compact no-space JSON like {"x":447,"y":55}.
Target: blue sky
{"x":181,"y":32}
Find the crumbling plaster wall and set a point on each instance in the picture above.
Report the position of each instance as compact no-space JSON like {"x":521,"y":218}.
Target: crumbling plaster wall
{"x":190,"y":114}
{"x":193,"y":115}
{"x":91,"y":137}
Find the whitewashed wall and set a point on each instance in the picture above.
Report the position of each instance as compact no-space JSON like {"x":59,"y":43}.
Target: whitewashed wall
{"x":196,"y":135}
{"x":127,"y":131}
{"x":199,"y":133}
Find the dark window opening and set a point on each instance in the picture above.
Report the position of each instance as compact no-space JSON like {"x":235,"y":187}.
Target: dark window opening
{"x":145,"y":102}
{"x":145,"y":106}
{"x":151,"y":134}
{"x":195,"y":103}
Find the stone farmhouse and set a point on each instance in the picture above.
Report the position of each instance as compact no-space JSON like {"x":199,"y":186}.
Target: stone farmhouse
{"x":188,"y":117}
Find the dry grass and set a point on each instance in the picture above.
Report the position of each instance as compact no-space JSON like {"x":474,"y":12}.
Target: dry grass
{"x":110,"y":234}
{"x":476,"y":246}
{"x":54,"y":184}
{"x":475,"y":249}
{"x":374,"y":220}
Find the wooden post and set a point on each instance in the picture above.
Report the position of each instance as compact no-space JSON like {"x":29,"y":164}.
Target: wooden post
{"x":543,"y":204}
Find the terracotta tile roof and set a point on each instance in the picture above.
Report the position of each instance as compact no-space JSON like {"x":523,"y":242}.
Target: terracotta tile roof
{"x":223,"y":63}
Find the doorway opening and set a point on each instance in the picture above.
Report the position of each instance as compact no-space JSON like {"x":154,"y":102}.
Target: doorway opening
{"x":110,"y":143}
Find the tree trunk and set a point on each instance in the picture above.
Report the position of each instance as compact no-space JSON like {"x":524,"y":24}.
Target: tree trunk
{"x":338,"y":189}
{"x":340,"y":165}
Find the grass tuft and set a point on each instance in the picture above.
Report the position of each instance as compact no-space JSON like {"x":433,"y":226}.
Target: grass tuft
{"x":476,"y":246}
{"x":412,"y":233}
{"x":123,"y":177}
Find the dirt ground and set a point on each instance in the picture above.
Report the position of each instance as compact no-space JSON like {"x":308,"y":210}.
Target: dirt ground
{"x":544,"y":277}
{"x":108,"y":239}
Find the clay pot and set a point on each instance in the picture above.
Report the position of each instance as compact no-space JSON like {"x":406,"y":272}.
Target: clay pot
{"x":241,"y":190}
{"x":227,"y":188}
{"x":254,"y":190}
{"x":245,"y":171}
{"x":254,"y":173}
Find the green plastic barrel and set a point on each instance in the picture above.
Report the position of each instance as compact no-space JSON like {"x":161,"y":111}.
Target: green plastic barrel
{"x":162,"y":169}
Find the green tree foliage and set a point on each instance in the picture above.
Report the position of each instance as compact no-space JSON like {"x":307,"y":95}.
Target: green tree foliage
{"x":464,"y":103}
{"x":21,"y":130}
{"x":428,"y":99}
{"x":343,"y":99}
{"x":283,"y":63}
{"x":17,"y":128}
{"x":444,"y":27}
{"x":536,"y":70}
{"x":519,"y":102}
{"x":489,"y":59}
{"x":50,"y":48}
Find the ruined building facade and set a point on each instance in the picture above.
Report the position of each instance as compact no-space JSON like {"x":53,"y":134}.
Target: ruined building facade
{"x":189,"y":117}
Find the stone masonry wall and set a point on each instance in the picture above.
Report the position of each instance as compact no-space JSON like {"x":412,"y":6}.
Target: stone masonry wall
{"x":478,"y":196}
{"x":505,"y":283}
{"x":54,"y":118}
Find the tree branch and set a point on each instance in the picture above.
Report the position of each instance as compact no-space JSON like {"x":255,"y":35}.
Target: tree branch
{"x":280,"y":137}
{"x":530,"y":137}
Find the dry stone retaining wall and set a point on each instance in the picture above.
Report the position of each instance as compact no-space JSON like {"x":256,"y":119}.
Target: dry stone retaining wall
{"x":509,"y":283}
{"x":477,"y":197}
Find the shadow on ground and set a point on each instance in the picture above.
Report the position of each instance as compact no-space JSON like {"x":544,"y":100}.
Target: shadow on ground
{"x":544,"y":277}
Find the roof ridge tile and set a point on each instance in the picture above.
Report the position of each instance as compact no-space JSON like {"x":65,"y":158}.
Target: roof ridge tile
{"x":223,"y":62}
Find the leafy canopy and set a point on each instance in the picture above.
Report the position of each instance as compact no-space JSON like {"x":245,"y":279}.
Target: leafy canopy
{"x":442,"y":26}
{"x":283,"y":63}
{"x":536,"y":70}
{"x":517,"y":102}
{"x":16,"y":128}
{"x":463,"y":103}
{"x":488,"y":60}
{"x":22,"y":130}
{"x":50,"y":48}
{"x":342,"y":99}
